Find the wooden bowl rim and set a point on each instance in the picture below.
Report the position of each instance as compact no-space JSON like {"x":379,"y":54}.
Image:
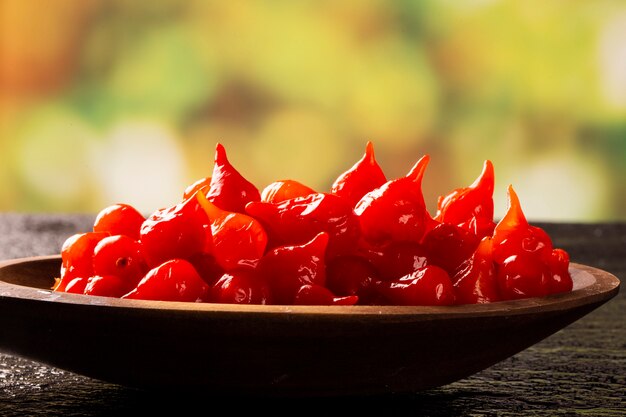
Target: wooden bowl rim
{"x":591,"y":285}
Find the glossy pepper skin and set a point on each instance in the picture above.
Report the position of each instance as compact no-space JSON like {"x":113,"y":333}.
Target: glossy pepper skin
{"x":426,"y":286}
{"x":207,"y":267}
{"x":119,"y":219}
{"x":77,"y":259}
{"x":561,"y":280}
{"x":396,"y":211}
{"x":174,"y":232}
{"x":121,"y":256}
{"x":241,"y":287}
{"x":352,"y":275}
{"x":287,"y":268}
{"x":229,"y":190}
{"x":320,"y":295}
{"x":363,"y":177}
{"x":368,"y":241}
{"x":298,"y":220}
{"x":525,"y":259}
{"x":279,"y":191}
{"x":76,"y":286}
{"x":238,"y":240}
{"x":475,"y":279}
{"x":174,"y":280}
{"x":513,"y":234}
{"x":448,"y":245}
{"x":107,"y":286}
{"x":471,"y":207}
{"x":396,"y":259}
{"x":522,"y":276}
{"x":203,"y":185}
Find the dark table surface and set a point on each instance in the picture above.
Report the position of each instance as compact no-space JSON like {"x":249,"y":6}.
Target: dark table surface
{"x":580,"y":370}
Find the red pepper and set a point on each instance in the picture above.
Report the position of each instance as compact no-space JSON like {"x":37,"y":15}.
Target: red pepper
{"x":77,"y":259}
{"x":522,"y":254}
{"x":287,"y":268}
{"x":397,"y":259}
{"x":448,"y":245}
{"x":106,"y":286}
{"x":561,"y":280}
{"x":475,"y":279}
{"x":352,"y":275}
{"x":238,"y":239}
{"x":119,"y":219}
{"x":367,"y":241}
{"x":396,"y":210}
{"x":365,"y":176}
{"x":241,"y":287}
{"x":279,"y":191}
{"x":207,"y":267}
{"x":429,"y":285}
{"x":174,"y":280}
{"x":522,"y":276}
{"x":319,"y":295}
{"x":513,"y":234}
{"x":203,"y":185}
{"x":174,"y":232}
{"x":471,"y":207}
{"x":229,"y":189}
{"x":120,"y":256}
{"x":76,"y":285}
{"x":298,"y":220}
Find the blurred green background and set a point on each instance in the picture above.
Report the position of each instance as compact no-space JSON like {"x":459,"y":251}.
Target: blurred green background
{"x":124,"y":101}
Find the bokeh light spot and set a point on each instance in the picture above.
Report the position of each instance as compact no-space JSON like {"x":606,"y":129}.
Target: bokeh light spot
{"x":141,"y":164}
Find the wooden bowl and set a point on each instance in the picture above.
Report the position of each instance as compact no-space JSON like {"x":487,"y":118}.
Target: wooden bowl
{"x":275,"y":350}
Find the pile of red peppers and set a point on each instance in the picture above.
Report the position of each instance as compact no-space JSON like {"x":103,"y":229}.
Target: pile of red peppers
{"x":368,"y":240}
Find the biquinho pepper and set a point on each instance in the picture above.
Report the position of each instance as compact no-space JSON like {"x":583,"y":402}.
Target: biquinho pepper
{"x":279,"y":191}
{"x":77,"y":260}
{"x":287,"y":268}
{"x":364,"y":176}
{"x":243,"y":286}
{"x":299,"y":219}
{"x":238,"y":240}
{"x":396,"y":211}
{"x":429,"y":285}
{"x":448,"y":245}
{"x":523,"y":254}
{"x":176,"y":232}
{"x":367,"y":240}
{"x":471,"y":207}
{"x":174,"y":280}
{"x":475,"y":279}
{"x":229,"y":190}
{"x":119,"y":219}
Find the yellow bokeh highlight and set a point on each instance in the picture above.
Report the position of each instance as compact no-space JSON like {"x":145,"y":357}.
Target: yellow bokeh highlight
{"x":118,"y":100}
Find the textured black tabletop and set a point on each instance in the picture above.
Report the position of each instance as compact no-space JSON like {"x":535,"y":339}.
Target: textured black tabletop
{"x":581,"y":370}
